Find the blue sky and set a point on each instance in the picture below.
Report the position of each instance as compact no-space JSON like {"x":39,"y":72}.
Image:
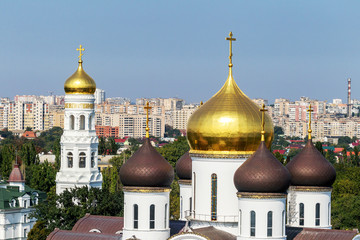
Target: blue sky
{"x":177,"y":48}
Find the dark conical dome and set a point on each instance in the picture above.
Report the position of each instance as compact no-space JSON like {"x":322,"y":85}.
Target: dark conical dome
{"x":147,"y":168}
{"x":310,"y":168}
{"x":16,"y":175}
{"x":262,"y":172}
{"x":184,"y":167}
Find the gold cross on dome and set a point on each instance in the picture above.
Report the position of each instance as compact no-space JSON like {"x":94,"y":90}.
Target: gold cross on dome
{"x":310,"y":110}
{"x":263,"y":110}
{"x":147,"y":109}
{"x":80,"y":49}
{"x":230,"y":39}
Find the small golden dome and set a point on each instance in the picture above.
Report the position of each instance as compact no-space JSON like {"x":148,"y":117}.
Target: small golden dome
{"x":80,"y":82}
{"x":228,"y":123}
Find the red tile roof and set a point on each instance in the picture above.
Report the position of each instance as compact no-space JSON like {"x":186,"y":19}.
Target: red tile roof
{"x":294,"y":233}
{"x":16,"y":175}
{"x":105,"y":224}
{"x":29,"y":134}
{"x":279,"y":151}
{"x":70,"y":235}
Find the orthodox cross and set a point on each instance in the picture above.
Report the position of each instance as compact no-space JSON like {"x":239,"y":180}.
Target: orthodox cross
{"x":80,"y":49}
{"x":147,"y":109}
{"x":230,"y":39}
{"x":310,"y":110}
{"x":263,"y":110}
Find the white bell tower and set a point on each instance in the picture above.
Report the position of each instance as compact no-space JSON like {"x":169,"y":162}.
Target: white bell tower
{"x":79,"y":143}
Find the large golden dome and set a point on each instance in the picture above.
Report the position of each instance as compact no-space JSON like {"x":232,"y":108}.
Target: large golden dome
{"x":228,"y":123}
{"x":80,"y":82}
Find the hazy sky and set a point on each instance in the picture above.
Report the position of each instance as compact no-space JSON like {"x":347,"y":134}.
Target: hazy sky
{"x":178,"y":49}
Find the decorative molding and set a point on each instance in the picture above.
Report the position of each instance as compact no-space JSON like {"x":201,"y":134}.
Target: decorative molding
{"x":220,"y":154}
{"x":146,"y":189}
{"x":310,"y":189}
{"x":258,"y":195}
{"x":80,"y":105}
{"x":184,"y":181}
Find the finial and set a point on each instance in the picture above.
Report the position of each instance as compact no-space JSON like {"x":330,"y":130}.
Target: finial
{"x":309,"y":129}
{"x":263,"y":110}
{"x":201,"y":103}
{"x":230,"y":38}
{"x":16,"y":163}
{"x":147,"y":108}
{"x":80,"y":49}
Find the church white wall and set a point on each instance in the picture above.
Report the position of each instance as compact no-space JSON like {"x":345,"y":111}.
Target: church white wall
{"x":185,"y":198}
{"x":261,"y":207}
{"x":79,"y":138}
{"x":144,"y":200}
{"x":202,"y":169}
{"x":309,"y":199}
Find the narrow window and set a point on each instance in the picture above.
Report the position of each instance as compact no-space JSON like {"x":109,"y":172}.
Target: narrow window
{"x":152,"y":216}
{"x":72,"y":122}
{"x":25,"y":218}
{"x":136,"y":216}
{"x":25,"y":232}
{"x":213,"y":197}
{"x":194,"y":207}
{"x":301,"y":214}
{"x":252,"y":223}
{"x":240,"y":216}
{"x":25,"y":204}
{"x":82,"y":160}
{"x":181,"y":207}
{"x":329,"y":213}
{"x":190,"y":200}
{"x":269,"y":223}
{"x":93,"y":159}
{"x":317,"y":214}
{"x":90,"y":122}
{"x":283,"y":223}
{"x":70,"y":159}
{"x":82,"y":122}
{"x":165,"y":222}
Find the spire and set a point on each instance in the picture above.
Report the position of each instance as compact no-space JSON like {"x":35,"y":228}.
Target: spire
{"x":230,"y":39}
{"x":309,"y":129}
{"x":80,"y":49}
{"x":263,"y":110}
{"x":147,"y":109}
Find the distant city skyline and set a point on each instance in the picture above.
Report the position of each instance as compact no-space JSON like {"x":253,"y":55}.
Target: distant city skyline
{"x":178,"y":49}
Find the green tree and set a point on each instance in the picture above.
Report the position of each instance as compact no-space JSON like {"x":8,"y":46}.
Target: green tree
{"x":293,"y":152}
{"x":39,"y":231}
{"x":57,"y":153}
{"x":171,"y":132}
{"x":175,"y":200}
{"x":280,"y":157}
{"x":64,"y":210}
{"x":28,"y":153}
{"x":330,"y":156}
{"x":344,"y":140}
{"x":278,"y":130}
{"x":102,"y":146}
{"x":112,"y":146}
{"x":318,"y":146}
{"x":42,"y":176}
{"x":356,"y":156}
{"x":173,"y":151}
{"x":8,"y":156}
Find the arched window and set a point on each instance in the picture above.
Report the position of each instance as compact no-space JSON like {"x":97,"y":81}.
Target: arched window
{"x":165,"y":222}
{"x":329,"y":212}
{"x":82,"y":160}
{"x":252,"y":223}
{"x":181,"y":207}
{"x":82,"y":122}
{"x":90,"y":122}
{"x":72,"y":122}
{"x":269,"y":223}
{"x":136,"y":216}
{"x":301,"y":214}
{"x":317,"y":214}
{"x":93,"y":159}
{"x":283,"y":223}
{"x":213,"y":197}
{"x":152,"y":216}
{"x":240,"y":216}
{"x":70,"y":159}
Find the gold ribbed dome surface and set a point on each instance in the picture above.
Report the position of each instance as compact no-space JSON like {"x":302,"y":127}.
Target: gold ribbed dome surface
{"x":80,"y":82}
{"x":228,"y":123}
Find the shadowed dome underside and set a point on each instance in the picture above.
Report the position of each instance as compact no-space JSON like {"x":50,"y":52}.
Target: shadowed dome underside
{"x":310,"y":168}
{"x":184,"y":167}
{"x":80,"y":83}
{"x":229,"y":123}
{"x":147,"y":168}
{"x":262,"y":172}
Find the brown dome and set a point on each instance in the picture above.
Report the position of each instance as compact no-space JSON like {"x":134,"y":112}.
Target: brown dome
{"x":146,"y":168}
{"x":262,"y":172}
{"x":16,"y":175}
{"x":184,"y":167}
{"x":310,"y":168}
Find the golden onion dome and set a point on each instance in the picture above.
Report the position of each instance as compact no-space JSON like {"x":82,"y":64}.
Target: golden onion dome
{"x":80,"y":82}
{"x":229,"y":123}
